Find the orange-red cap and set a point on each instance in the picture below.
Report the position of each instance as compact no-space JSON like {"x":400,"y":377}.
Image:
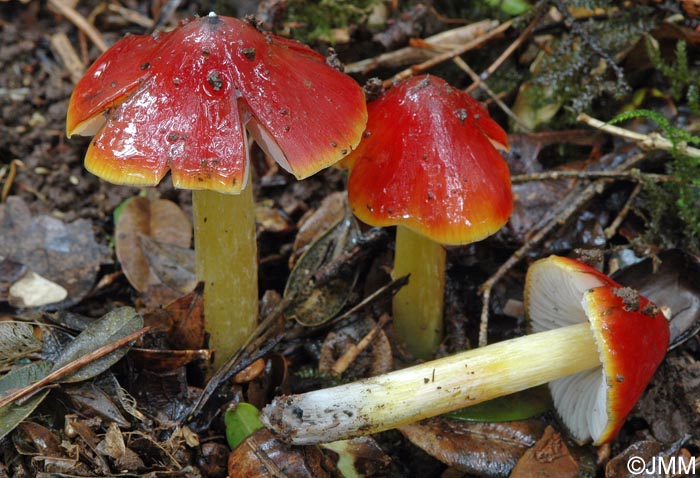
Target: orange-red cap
{"x":428,"y":162}
{"x":631,"y":333}
{"x":180,"y":101}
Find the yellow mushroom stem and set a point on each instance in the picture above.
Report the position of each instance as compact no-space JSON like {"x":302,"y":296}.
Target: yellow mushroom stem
{"x":227,"y":263}
{"x":432,"y":388}
{"x":418,"y":306}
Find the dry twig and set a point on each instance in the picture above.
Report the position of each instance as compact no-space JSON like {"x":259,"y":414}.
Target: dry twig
{"x":647,"y":142}
{"x":426,"y":65}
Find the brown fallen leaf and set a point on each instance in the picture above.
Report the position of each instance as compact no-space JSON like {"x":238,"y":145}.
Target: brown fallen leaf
{"x":64,"y":254}
{"x":485,"y":449}
{"x":549,"y":457}
{"x":261,"y":455}
{"x":158,"y":219}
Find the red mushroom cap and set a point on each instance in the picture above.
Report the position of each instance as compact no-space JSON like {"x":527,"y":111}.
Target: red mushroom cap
{"x":180,"y":101}
{"x":631,"y":333}
{"x":428,"y":162}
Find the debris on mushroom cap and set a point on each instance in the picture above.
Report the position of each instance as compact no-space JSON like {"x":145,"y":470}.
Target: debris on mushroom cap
{"x":631,"y":332}
{"x":429,"y":162}
{"x":180,"y":101}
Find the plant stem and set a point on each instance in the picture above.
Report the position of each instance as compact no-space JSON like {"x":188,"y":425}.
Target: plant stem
{"x":418,"y":306}
{"x":227,"y":263}
{"x":432,"y":388}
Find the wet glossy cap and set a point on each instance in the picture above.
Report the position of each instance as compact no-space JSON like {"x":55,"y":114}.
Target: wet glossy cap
{"x":429,"y":162}
{"x":182,"y":101}
{"x":631,"y":333}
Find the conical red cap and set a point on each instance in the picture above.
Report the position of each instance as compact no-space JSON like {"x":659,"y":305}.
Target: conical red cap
{"x":428,"y":162}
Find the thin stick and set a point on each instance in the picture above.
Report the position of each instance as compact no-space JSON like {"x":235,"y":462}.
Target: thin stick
{"x":506,"y":53}
{"x":72,"y":367}
{"x":421,"y":67}
{"x":631,"y":175}
{"x":475,"y":78}
{"x":342,"y":364}
{"x":611,"y":230}
{"x":77,"y":19}
{"x":647,"y":142}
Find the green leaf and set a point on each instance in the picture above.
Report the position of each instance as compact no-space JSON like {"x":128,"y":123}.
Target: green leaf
{"x":105,"y":330}
{"x":12,"y":414}
{"x":518,"y":406}
{"x":510,"y":7}
{"x":241,"y":422}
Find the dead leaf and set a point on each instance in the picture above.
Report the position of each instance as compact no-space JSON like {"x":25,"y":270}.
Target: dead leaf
{"x":315,"y":303}
{"x":489,"y":449}
{"x":549,"y":457}
{"x":359,"y":457}
{"x":160,"y":220}
{"x":181,"y":322}
{"x":651,"y":459}
{"x":33,"y":290}
{"x":313,"y":224}
{"x":173,"y":265}
{"x":261,"y":455}
{"x":113,"y":446}
{"x":64,"y":254}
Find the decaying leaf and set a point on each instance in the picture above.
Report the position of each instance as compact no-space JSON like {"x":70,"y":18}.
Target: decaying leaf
{"x":489,"y":449}
{"x":63,"y":254}
{"x":91,"y":399}
{"x":113,"y":446}
{"x":312,"y":225}
{"x":17,"y":340}
{"x":548,"y":457}
{"x":359,"y":457}
{"x":33,"y":290}
{"x":261,"y":455}
{"x":105,"y":330}
{"x":315,"y":303}
{"x":652,"y":459}
{"x":12,"y":414}
{"x":160,"y":220}
{"x":181,"y":322}
{"x":173,"y":265}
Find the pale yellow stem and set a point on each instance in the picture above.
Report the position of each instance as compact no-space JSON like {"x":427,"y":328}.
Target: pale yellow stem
{"x":432,"y":388}
{"x":418,"y":306}
{"x":227,"y":263}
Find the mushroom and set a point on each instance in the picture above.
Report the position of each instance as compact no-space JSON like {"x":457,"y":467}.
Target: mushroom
{"x":429,"y":165}
{"x":182,"y":101}
{"x":598,"y":365}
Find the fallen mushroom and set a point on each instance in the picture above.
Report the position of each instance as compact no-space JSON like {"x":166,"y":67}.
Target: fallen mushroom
{"x":598,"y":366}
{"x":182,"y":101}
{"x":428,"y":165}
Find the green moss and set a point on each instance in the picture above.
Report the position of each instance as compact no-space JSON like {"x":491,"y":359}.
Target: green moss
{"x":672,"y":210}
{"x":316,"y":20}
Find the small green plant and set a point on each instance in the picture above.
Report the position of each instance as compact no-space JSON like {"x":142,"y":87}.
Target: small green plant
{"x":672,"y":210}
